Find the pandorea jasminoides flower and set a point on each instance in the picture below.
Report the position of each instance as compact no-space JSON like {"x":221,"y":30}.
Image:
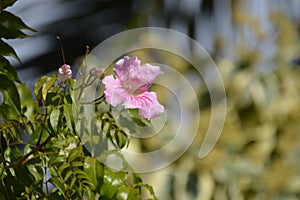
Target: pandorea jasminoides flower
{"x":131,"y":87}
{"x":65,"y":71}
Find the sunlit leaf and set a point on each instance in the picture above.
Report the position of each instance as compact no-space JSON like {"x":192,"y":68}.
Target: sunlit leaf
{"x":133,"y":194}
{"x":94,"y":171}
{"x":123,"y":193}
{"x":43,"y":85}
{"x":74,"y":179}
{"x":90,"y":193}
{"x":36,"y":171}
{"x":54,"y":118}
{"x":38,"y":86}
{"x":58,"y":159}
{"x":64,"y":166}
{"x":74,"y":154}
{"x":77,"y":164}
{"x":49,"y":82}
{"x":112,"y":182}
{"x":68,"y":175}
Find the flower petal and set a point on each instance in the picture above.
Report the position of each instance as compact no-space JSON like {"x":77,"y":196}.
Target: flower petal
{"x":135,"y":78}
{"x":149,"y":73}
{"x":65,"y":71}
{"x":125,"y":68}
{"x":147,"y":103}
{"x":114,"y":91}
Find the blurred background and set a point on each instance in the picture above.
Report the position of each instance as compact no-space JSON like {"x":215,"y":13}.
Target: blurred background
{"x":255,"y":44}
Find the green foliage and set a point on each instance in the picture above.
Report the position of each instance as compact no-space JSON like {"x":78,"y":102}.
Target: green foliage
{"x":11,"y":26}
{"x":138,"y":119}
{"x":6,"y":50}
{"x":6,"y":3}
{"x":53,"y":162}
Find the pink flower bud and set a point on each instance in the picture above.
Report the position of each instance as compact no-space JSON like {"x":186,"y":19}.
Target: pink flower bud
{"x":65,"y":71}
{"x":97,"y":72}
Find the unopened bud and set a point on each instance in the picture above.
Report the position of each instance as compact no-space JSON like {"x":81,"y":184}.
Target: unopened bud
{"x":65,"y":71}
{"x":97,"y":72}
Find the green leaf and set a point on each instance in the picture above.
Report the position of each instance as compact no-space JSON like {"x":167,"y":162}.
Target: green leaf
{"x":73,"y":181}
{"x":134,"y":194}
{"x":58,"y":184}
{"x":15,"y":154}
{"x":112,"y":182}
{"x":151,"y":190}
{"x":121,"y":139}
{"x":43,"y":85}
{"x":77,"y":164}
{"x":90,"y":193}
{"x":68,"y":113}
{"x":94,"y":171}
{"x":74,"y":154}
{"x":24,"y":176}
{"x":6,"y":3}
{"x":8,"y":70}
{"x":49,"y":82}
{"x":15,"y":187}
{"x":54,"y":118}
{"x":6,"y":50}
{"x":37,"y":134}
{"x":8,"y":113}
{"x":64,"y":166}
{"x":55,"y":195}
{"x":57,"y":160}
{"x":12,"y":34}
{"x":68,"y":175}
{"x":138,"y":119}
{"x":36,"y":171}
{"x":10,"y":94}
{"x":126,"y":165}
{"x":2,"y":193}
{"x":38,"y":86}
{"x":12,"y":22}
{"x":123,"y":193}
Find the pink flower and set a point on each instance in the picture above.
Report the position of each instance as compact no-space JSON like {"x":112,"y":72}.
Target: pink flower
{"x":65,"y":71}
{"x":131,"y":87}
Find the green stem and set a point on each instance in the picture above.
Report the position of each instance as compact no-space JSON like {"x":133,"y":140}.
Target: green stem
{"x":96,"y":101}
{"x":5,"y":190}
{"x":24,"y":159}
{"x":45,"y":172}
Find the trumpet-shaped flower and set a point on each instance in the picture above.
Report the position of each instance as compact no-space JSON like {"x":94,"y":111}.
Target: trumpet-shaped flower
{"x":131,"y":85}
